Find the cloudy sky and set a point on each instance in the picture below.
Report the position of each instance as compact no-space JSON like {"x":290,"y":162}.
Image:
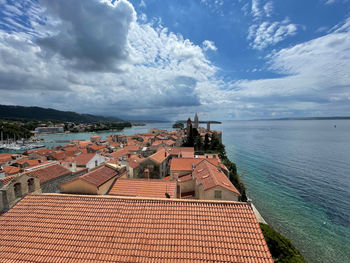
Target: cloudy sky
{"x":156,"y":59}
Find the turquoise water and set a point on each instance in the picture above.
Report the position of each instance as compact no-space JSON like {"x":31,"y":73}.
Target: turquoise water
{"x":298,"y":175}
{"x":296,"y":172}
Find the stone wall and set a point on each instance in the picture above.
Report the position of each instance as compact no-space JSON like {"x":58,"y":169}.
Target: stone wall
{"x":52,"y":185}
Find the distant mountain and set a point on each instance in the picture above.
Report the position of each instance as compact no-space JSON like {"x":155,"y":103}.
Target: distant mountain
{"x":37,"y":113}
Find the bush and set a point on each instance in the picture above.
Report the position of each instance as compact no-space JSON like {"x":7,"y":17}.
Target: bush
{"x":281,"y":248}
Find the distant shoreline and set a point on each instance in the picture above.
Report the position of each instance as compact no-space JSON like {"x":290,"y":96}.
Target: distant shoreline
{"x":300,"y":119}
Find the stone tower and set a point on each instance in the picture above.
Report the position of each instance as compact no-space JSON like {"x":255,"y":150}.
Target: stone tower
{"x":196,"y":121}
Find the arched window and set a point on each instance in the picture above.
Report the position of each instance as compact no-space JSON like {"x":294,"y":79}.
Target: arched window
{"x":31,"y":186}
{"x":18,"y":190}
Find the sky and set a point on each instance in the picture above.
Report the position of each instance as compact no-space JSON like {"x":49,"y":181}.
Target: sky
{"x":156,"y":59}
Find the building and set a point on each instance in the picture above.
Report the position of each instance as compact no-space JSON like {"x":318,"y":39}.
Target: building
{"x":157,"y":164}
{"x":97,"y":181}
{"x":89,"y":160}
{"x":145,"y":188}
{"x":14,"y":188}
{"x":102,"y":229}
{"x":49,"y":129}
{"x":182,"y":166}
{"x":212,"y":184}
{"x":196,"y":121}
{"x":50,"y":175}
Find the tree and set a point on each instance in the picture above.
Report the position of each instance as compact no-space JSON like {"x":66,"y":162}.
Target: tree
{"x":206,"y":142}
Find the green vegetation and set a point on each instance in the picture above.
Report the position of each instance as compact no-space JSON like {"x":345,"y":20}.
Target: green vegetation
{"x":38,"y":113}
{"x":13,"y":130}
{"x":281,"y":248}
{"x":212,"y":144}
{"x":178,"y":125}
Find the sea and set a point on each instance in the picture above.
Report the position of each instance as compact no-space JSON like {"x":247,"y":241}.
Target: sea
{"x":297,"y":173}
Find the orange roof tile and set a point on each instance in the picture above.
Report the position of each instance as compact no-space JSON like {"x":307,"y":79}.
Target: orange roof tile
{"x":100,"y":175}
{"x":102,"y":229}
{"x":84,"y":158}
{"x":5,"y":180}
{"x":97,"y":147}
{"x":185,"y":164}
{"x":48,"y":173}
{"x":208,"y":175}
{"x":9,"y":170}
{"x":160,"y":156}
{"x":143,"y":187}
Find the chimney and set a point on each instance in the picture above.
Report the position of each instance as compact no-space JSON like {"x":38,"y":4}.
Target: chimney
{"x":74,"y":166}
{"x":129,"y":155}
{"x":146,"y":173}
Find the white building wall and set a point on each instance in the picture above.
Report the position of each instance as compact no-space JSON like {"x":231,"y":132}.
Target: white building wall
{"x":96,"y":161}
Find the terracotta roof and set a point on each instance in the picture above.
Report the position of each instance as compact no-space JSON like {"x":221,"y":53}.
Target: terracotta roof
{"x":48,"y":173}
{"x":210,"y":176}
{"x":100,"y":175}
{"x":5,"y":157}
{"x":185,"y":164}
{"x":97,"y":147}
{"x":159,"y":156}
{"x":84,"y":158}
{"x":101,"y":229}
{"x":134,"y":161}
{"x":9,"y":170}
{"x":29,"y":162}
{"x":185,"y":152}
{"x":40,"y":151}
{"x":143,"y":187}
{"x":185,"y":178}
{"x":5,"y":180}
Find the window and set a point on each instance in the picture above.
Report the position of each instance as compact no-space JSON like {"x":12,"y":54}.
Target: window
{"x":31,"y":186}
{"x":218,"y":194}
{"x":96,"y":163}
{"x":18,"y":190}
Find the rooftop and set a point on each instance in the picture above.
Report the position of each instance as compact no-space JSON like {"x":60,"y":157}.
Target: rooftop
{"x":99,"y":175}
{"x":48,"y":173}
{"x":208,"y":175}
{"x":143,"y":187}
{"x":76,"y":228}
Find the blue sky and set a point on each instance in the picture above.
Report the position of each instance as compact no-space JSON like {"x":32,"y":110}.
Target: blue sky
{"x":154,"y":59}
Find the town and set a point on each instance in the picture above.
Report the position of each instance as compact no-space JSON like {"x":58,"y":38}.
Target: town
{"x":159,"y":196}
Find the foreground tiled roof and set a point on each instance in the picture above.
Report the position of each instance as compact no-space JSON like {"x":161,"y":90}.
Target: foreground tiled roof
{"x":73,"y":228}
{"x":208,"y":175}
{"x":143,"y":187}
{"x":48,"y":173}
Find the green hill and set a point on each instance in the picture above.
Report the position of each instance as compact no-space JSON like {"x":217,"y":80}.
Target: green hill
{"x":37,"y":113}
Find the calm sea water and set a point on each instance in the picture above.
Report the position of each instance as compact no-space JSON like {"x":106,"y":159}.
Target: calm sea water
{"x":296,"y":172}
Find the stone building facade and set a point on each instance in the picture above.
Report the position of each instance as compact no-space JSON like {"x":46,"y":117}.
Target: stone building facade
{"x":14,"y":188}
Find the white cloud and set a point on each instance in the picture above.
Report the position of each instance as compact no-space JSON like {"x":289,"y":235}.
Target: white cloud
{"x":112,"y":65}
{"x":142,"y":3}
{"x":268,"y":8}
{"x":267,"y":34}
{"x":255,"y":9}
{"x":316,"y":77}
{"x":209,"y":45}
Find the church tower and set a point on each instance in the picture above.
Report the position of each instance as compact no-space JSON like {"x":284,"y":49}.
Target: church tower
{"x":188,"y":126}
{"x":196,"y":121}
